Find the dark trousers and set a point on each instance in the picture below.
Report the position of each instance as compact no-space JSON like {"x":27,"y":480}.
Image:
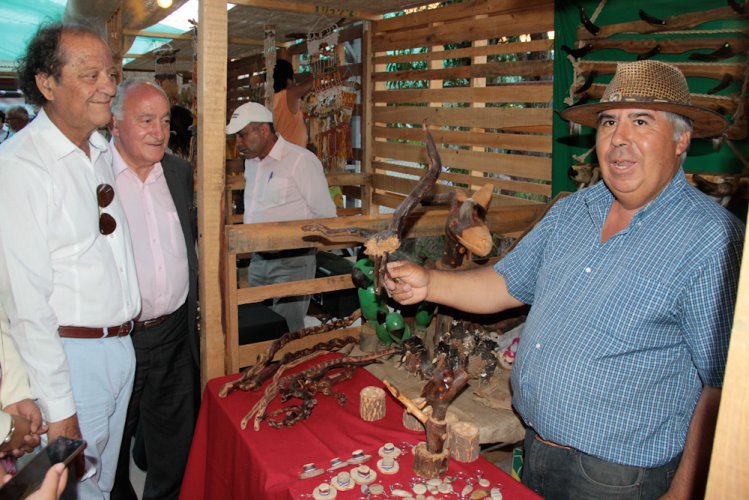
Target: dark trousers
{"x":561,"y":474}
{"x":164,"y":402}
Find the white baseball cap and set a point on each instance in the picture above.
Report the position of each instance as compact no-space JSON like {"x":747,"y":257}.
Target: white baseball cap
{"x":249,"y":112}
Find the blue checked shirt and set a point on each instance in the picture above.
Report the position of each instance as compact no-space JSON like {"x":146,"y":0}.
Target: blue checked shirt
{"x":622,"y":336}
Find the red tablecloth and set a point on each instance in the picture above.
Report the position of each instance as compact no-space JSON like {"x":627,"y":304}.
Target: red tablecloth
{"x":229,"y":463}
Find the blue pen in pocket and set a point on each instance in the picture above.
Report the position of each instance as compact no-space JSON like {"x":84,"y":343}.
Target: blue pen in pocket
{"x":270,"y":176}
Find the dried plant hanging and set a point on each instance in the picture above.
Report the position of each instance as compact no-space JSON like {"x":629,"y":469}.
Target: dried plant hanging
{"x":330,"y":104}
{"x":269,"y":51}
{"x":166,"y":70}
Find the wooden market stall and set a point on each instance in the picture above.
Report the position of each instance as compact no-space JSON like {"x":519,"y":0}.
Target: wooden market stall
{"x":450,"y":73}
{"x":490,"y":114}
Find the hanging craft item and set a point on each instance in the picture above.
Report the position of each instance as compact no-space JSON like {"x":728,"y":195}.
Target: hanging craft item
{"x":330,"y":104}
{"x":166,"y":70}
{"x":714,"y":54}
{"x":269,"y":51}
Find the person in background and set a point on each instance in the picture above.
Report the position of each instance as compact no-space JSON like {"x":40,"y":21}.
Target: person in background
{"x":17,"y":118}
{"x":283,"y":182}
{"x":288,"y":118}
{"x":4,"y":129}
{"x":68,"y":281}
{"x":21,"y":423}
{"x":632,"y":285}
{"x":156,"y":190}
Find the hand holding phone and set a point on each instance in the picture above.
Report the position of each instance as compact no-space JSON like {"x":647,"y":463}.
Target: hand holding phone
{"x":29,"y":479}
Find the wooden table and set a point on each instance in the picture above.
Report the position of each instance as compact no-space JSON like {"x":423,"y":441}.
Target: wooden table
{"x":229,"y":463}
{"x":496,"y":425}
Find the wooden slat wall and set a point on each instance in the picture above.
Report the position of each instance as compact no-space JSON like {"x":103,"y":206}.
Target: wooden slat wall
{"x":239,"y":88}
{"x":491,"y":117}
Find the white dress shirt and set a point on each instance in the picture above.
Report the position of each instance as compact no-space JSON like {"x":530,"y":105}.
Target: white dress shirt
{"x":55,"y":267}
{"x":288,"y":184}
{"x":158,"y":240}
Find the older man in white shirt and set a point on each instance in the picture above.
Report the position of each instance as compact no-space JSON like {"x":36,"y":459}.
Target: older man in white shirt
{"x":67,"y":275}
{"x":282,"y":182}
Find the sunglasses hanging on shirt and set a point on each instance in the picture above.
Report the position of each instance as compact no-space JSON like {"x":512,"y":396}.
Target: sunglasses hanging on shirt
{"x":104,"y":196}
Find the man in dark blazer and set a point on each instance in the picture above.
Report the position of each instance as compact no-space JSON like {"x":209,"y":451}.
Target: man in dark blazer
{"x":156,"y":190}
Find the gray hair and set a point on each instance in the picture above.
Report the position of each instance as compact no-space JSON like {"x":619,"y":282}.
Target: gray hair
{"x":118,"y":103}
{"x":681,"y":124}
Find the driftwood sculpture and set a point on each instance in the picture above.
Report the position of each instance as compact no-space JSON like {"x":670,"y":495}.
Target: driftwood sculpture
{"x":431,"y":459}
{"x":254,"y":376}
{"x":305,"y":385}
{"x":377,"y":246}
{"x":465,"y":229}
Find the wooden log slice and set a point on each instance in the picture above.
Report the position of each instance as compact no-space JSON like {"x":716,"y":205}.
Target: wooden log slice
{"x":372,"y":403}
{"x":430,"y":465}
{"x":412,"y":423}
{"x":463,"y":441}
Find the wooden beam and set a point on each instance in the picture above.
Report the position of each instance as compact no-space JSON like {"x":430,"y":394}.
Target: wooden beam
{"x":274,"y":236}
{"x":233,"y":40}
{"x":310,"y":8}
{"x":211,"y":90}
{"x":151,"y":55}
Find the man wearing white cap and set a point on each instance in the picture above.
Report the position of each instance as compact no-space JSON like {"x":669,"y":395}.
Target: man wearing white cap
{"x":633,"y":285}
{"x":282,"y":182}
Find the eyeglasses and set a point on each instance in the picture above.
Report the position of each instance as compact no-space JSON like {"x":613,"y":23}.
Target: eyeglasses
{"x":105,"y":195}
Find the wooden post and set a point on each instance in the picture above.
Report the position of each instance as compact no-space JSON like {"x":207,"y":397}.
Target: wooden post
{"x":729,"y":469}
{"x":211,"y":90}
{"x":367,"y":124}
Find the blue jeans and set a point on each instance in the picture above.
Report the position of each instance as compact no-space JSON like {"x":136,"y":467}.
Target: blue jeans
{"x":557,"y":473}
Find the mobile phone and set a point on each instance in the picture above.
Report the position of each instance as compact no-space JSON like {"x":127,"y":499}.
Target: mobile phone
{"x":30,"y":477}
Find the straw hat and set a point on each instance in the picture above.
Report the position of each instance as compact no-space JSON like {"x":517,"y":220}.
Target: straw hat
{"x":324,"y":491}
{"x":336,"y":463}
{"x":388,"y":465}
{"x":363,"y":474}
{"x":389,"y":450}
{"x":342,"y":481}
{"x":649,"y":85}
{"x":358,"y":457}
{"x":310,"y":470}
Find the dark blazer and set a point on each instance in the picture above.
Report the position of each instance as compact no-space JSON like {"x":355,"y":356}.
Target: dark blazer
{"x":179,"y":178}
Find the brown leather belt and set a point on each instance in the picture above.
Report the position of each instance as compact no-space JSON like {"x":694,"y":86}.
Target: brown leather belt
{"x":149,"y":323}
{"x":82,"y":332}
{"x":552,"y":444}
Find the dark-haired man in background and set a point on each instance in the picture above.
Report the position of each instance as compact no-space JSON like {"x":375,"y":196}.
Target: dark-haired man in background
{"x":67,"y":274}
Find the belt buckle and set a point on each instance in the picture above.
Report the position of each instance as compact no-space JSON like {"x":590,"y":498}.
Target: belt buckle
{"x":105,"y":331}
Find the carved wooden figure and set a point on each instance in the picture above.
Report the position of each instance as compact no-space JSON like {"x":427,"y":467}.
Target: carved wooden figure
{"x":378,"y":246}
{"x":431,"y":459}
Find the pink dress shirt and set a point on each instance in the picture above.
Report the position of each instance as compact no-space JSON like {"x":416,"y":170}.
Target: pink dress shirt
{"x":158,"y":241}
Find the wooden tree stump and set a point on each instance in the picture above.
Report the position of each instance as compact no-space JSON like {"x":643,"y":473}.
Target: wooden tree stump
{"x":412,"y":423}
{"x":368,"y":341}
{"x":430,"y":465}
{"x":372,"y":403}
{"x":463,"y":441}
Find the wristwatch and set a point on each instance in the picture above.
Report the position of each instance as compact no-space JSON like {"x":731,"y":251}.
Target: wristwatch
{"x":9,"y":437}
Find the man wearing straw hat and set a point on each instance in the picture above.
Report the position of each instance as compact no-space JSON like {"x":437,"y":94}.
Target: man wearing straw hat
{"x":632,"y":284}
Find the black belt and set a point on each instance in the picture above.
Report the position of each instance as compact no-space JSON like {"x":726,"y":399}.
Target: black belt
{"x":150,"y":323}
{"x":283,"y":254}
